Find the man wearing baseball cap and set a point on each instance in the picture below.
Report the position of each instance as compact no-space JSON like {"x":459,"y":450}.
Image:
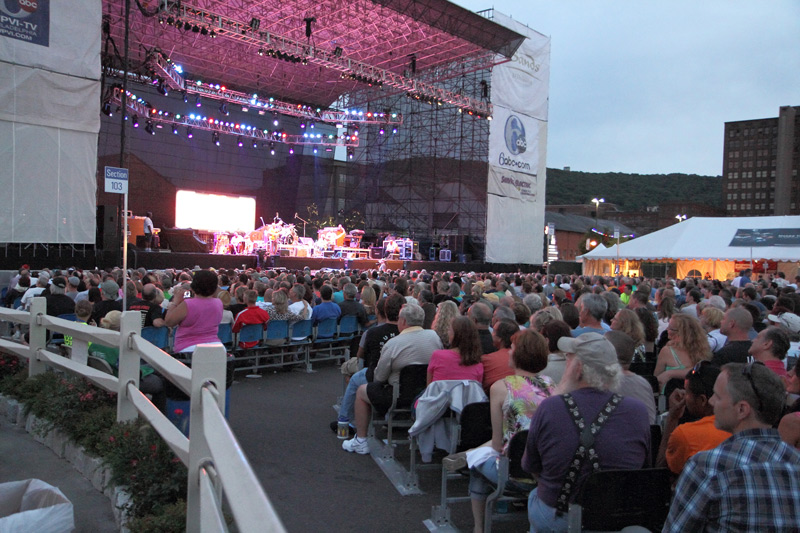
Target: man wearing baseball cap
{"x":615,"y":434}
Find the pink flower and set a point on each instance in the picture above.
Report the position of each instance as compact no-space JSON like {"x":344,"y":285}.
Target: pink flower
{"x":178,"y":412}
{"x":111,"y":439}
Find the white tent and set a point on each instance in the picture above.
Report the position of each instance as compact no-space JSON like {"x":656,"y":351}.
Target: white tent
{"x":699,"y":244}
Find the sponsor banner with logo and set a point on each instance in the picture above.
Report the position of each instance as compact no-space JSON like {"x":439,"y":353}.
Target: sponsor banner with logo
{"x":515,"y":141}
{"x":523,"y":83}
{"x":26,"y":20}
{"x":513,"y":184}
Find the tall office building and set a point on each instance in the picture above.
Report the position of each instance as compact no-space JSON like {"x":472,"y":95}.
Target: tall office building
{"x":760,"y":167}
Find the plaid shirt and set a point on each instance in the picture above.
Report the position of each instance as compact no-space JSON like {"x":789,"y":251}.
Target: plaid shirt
{"x":750,"y":482}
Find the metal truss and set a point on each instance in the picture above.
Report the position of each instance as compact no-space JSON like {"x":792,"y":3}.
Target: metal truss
{"x":177,"y":82}
{"x":145,"y":112}
{"x":249,"y":33}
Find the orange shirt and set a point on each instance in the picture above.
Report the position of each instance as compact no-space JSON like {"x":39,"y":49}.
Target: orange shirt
{"x":495,"y":367}
{"x":690,"y":438}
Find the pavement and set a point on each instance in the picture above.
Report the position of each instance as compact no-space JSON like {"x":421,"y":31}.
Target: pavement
{"x":282,"y":423}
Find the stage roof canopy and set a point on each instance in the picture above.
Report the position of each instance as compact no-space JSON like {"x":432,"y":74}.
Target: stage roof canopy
{"x":445,"y":40}
{"x":710,"y":238}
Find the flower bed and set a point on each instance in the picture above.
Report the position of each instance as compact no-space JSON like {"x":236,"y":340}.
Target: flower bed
{"x":128,"y":461}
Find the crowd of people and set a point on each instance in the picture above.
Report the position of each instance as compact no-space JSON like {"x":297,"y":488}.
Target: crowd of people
{"x":555,"y":356}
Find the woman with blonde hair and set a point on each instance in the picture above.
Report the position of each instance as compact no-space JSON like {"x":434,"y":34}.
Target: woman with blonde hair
{"x":711,"y":320}
{"x":446,"y":311}
{"x":687,"y":346}
{"x":544,"y":317}
{"x":368,"y":300}
{"x":628,"y":322}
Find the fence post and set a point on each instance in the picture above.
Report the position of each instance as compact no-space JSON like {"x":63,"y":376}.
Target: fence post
{"x":129,"y":362}
{"x":208,"y":366}
{"x":38,"y":336}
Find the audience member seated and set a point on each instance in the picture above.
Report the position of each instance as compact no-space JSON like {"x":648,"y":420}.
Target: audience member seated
{"x":735,"y":325}
{"x":413,"y":345}
{"x":350,"y":307}
{"x":687,"y":346}
{"x":227,"y":315}
{"x":152,"y":315}
{"x":18,"y":290}
{"x":497,"y":365}
{"x":711,"y":319}
{"x":481,"y":315}
{"x":252,"y":314}
{"x":770,"y":347}
{"x":196,"y":312}
{"x":631,"y":385}
{"x":463,"y":359}
{"x":36,"y":290}
{"x":326,"y":308}
{"x":513,"y":400}
{"x":621,"y":441}
{"x":58,"y":303}
{"x":149,"y":382}
{"x":552,"y":331}
{"x":749,"y":482}
{"x":445,"y":314}
{"x":109,"y":292}
{"x":680,"y":441}
{"x":627,"y":321}
{"x":591,"y":308}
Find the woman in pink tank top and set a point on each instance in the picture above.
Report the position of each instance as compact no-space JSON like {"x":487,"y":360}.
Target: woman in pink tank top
{"x":198,"y":316}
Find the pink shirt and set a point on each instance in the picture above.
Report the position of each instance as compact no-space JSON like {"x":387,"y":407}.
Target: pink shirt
{"x":201,"y":324}
{"x":445,"y":364}
{"x":776,"y":366}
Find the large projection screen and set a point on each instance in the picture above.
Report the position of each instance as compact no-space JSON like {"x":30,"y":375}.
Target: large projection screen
{"x":214,"y":212}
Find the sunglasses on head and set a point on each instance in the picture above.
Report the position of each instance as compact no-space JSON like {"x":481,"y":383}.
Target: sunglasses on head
{"x":747,"y":370}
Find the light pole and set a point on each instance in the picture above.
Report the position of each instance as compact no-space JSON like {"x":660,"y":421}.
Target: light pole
{"x":597,"y":202}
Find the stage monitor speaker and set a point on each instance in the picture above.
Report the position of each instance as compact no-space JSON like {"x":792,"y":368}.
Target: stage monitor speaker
{"x":464,"y":258}
{"x":108,"y":229}
{"x":444,"y":255}
{"x":376,"y":252}
{"x":433,"y":252}
{"x":284,"y":252}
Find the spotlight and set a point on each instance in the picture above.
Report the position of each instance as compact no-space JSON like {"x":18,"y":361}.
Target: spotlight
{"x":337,"y":52}
{"x":204,"y":31}
{"x":215,"y":138}
{"x":302,"y":125}
{"x":174,"y":129}
{"x":311,"y":124}
{"x":349,"y":154}
{"x":162,"y":87}
{"x":255,"y":143}
{"x":187,"y":26}
{"x":149,"y":128}
{"x":223,"y":108}
{"x":394,"y":130}
{"x":255,"y":24}
{"x":196,"y":28}
{"x":315,"y":149}
{"x":275,"y":122}
{"x":197,"y":101}
{"x":308,"y":21}
{"x":213,"y":34}
{"x":135,"y":121}
{"x":381,"y":131}
{"x":189,"y":133}
{"x":170,"y":20}
{"x":261,"y":51}
{"x":239,"y":141}
{"x":291,"y":150}
{"x":107,"y":109}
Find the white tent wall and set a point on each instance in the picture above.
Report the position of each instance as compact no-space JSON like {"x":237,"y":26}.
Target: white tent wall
{"x":516,"y":185}
{"x":49,"y":121}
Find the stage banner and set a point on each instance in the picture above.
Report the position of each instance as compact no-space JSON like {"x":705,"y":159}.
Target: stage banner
{"x":523,"y":83}
{"x":516,"y":141}
{"x":49,"y":119}
{"x":513,"y":184}
{"x":514,"y":231}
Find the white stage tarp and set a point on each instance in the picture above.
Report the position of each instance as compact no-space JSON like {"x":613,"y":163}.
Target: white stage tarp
{"x":704,"y":238}
{"x":49,"y":120}
{"x":518,"y":151}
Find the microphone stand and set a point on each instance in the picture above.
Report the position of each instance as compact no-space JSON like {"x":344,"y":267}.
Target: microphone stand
{"x":304,"y":224}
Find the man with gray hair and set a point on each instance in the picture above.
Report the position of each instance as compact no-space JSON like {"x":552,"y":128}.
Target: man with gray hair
{"x":58,"y":303}
{"x":349,"y":306}
{"x":591,"y":308}
{"x":533,"y":301}
{"x":751,"y":481}
{"x":413,"y":345}
{"x":584,"y":429}
{"x":41,"y":284}
{"x":481,"y":315}
{"x":110,"y":292}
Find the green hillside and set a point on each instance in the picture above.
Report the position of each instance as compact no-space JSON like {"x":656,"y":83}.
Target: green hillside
{"x":631,"y":191}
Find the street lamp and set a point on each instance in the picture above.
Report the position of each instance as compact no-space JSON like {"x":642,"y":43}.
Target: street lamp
{"x":680,"y":218}
{"x":597,"y":202}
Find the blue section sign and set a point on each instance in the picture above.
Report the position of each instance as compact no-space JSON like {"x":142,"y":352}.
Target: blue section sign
{"x":26,"y":20}
{"x":116,"y":180}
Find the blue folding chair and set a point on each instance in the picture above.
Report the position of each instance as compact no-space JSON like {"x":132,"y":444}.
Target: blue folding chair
{"x":250,"y":333}
{"x":277,"y":330}
{"x":158,"y":337}
{"x":225,"y":335}
{"x":348,"y":327}
{"x":300,"y":341}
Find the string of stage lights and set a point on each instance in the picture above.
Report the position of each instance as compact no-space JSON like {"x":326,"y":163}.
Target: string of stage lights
{"x":172,"y":76}
{"x":202,"y":21}
{"x":156,"y":118}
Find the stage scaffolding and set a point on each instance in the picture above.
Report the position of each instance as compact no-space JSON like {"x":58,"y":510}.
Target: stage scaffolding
{"x":427,"y":181}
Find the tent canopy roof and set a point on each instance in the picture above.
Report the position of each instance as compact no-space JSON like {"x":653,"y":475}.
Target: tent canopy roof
{"x":704,"y":238}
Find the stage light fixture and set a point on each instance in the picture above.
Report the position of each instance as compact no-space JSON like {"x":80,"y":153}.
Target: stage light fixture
{"x":484,"y":89}
{"x":215,"y":138}
{"x":174,"y":129}
{"x":302,"y":125}
{"x":337,"y":52}
{"x":185,"y":97}
{"x":196,"y":28}
{"x":413,"y":65}
{"x":315,"y":149}
{"x":197,"y":101}
{"x":203,"y":31}
{"x":135,"y":121}
{"x":189,"y":133}
{"x":107,"y":109}
{"x":149,"y":127}
{"x":261,"y":51}
{"x":255,"y":143}
{"x":213,"y":34}
{"x":223,"y":108}
{"x":255,"y":24}
{"x":275,"y":122}
{"x":394,"y":130}
{"x":161,"y":20}
{"x":162,"y":87}
{"x":308,"y":21}
{"x":311,"y":124}
{"x":349,"y":154}
{"x":187,"y":25}
{"x":381,"y":131}
{"x":239,"y":141}
{"x":291,"y":150}
{"x":170,"y":20}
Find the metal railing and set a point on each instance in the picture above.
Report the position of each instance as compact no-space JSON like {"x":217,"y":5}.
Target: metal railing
{"x":214,"y":459}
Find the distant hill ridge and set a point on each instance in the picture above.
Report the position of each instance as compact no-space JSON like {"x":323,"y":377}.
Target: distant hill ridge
{"x":631,"y":192}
